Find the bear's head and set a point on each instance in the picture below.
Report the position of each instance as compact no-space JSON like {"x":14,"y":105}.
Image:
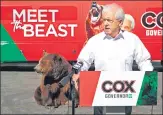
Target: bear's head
{"x":53,"y":65}
{"x":95,"y":13}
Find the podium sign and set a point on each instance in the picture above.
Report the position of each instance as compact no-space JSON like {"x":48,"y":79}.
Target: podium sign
{"x":130,"y":88}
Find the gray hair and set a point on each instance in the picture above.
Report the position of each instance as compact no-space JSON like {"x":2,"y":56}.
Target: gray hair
{"x":119,"y":15}
{"x":131,"y":19}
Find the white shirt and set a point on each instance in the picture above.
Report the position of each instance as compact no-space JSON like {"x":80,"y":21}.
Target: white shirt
{"x":115,"y":54}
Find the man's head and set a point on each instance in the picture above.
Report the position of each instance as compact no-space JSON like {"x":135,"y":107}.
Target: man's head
{"x":128,"y":23}
{"x":113,"y":17}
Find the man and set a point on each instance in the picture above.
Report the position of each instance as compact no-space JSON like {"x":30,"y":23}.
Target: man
{"x":128,"y":23}
{"x":113,"y":49}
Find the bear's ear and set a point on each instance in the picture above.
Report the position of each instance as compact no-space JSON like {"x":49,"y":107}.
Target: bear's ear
{"x":60,"y":59}
{"x":57,"y":57}
{"x":44,"y":52}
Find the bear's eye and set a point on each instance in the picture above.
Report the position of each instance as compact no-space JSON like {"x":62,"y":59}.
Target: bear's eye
{"x":43,"y":62}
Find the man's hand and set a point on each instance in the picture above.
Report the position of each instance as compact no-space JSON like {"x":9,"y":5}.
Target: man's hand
{"x":75,"y":78}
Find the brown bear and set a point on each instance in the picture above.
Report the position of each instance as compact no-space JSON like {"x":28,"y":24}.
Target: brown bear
{"x":94,"y":24}
{"x":53,"y":68}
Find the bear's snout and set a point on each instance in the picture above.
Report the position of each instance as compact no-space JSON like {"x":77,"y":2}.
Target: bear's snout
{"x":37,"y":69}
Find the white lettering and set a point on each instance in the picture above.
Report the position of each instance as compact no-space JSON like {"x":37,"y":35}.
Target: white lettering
{"x":28,"y":30}
{"x":17,"y":25}
{"x":53,"y":14}
{"x":151,"y":33}
{"x":42,"y":29}
{"x":51,"y":27}
{"x":40,"y":15}
{"x":39,"y":30}
{"x":62,"y":30}
{"x":15,"y":13}
{"x":160,"y":32}
{"x":72,"y":26}
{"x":31,"y":15}
{"x":147,"y":32}
{"x":154,"y":32}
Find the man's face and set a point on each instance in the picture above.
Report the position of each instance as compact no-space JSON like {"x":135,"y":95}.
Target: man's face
{"x":126,"y":25}
{"x":111,"y":25}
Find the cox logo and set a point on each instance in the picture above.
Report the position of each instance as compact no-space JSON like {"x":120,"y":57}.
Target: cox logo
{"x":157,"y":20}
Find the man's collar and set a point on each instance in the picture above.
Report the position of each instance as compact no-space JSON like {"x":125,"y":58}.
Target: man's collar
{"x":120,"y":35}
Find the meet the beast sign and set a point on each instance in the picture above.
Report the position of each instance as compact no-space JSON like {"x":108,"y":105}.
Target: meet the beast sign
{"x":41,"y":23}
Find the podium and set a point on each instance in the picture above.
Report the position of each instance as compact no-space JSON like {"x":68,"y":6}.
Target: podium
{"x":118,"y":89}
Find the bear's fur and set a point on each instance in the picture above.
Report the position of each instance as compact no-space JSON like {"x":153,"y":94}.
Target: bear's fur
{"x":94,"y":26}
{"x":53,"y":68}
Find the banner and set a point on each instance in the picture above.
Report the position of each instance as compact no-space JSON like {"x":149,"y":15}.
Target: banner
{"x":29,"y":28}
{"x":132,"y":88}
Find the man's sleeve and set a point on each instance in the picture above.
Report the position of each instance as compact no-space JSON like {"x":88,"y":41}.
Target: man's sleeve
{"x":142,"y":56}
{"x":86,"y":56}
